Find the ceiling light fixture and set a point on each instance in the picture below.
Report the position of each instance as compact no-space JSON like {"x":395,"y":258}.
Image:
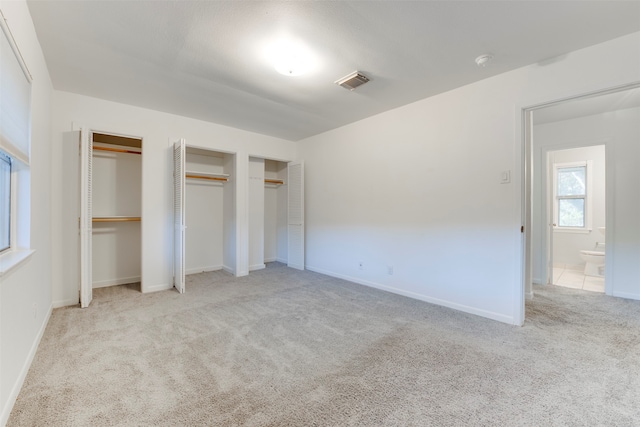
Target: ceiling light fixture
{"x":290,"y":58}
{"x":483,"y":60}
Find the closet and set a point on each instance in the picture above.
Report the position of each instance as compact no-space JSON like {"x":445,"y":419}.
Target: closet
{"x":110,"y":216}
{"x":204,"y":212}
{"x":276,"y":213}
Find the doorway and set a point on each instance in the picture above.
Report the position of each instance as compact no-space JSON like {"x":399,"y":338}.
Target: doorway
{"x":609,"y":118}
{"x":574,"y":202}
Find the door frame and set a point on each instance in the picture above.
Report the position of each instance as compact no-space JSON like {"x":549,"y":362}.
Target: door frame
{"x":547,"y":196}
{"x":524,"y":152}
{"x":86,"y":291}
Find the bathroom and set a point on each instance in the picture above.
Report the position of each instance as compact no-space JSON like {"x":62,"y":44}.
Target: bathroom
{"x":576,"y":201}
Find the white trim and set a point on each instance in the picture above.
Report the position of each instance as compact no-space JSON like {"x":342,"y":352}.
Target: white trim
{"x":444,"y":303}
{"x":15,"y":390}
{"x":115,"y":282}
{"x":197,"y":270}
{"x":623,"y":294}
{"x":13,"y":258}
{"x":282,"y":260}
{"x":157,"y":288}
{"x":256,"y":267}
{"x":229,"y":270}
{"x":266,"y":260}
{"x":66,"y":303}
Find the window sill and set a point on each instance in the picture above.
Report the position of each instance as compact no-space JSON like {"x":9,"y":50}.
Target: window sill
{"x":572,"y":230}
{"x":12,"y":259}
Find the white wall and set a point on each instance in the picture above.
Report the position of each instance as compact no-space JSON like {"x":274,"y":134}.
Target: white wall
{"x":418,"y":188}
{"x":623,"y":232}
{"x":619,"y":131}
{"x":232,"y":247}
{"x":256,"y":213}
{"x":156,"y":129}
{"x":25,"y":292}
{"x":204,"y":215}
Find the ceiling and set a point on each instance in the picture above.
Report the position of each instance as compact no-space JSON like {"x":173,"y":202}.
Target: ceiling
{"x":205,"y":59}
{"x":590,"y":106}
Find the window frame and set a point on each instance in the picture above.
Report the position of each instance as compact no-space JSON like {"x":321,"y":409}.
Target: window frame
{"x":587,"y":227}
{"x":11,"y":231}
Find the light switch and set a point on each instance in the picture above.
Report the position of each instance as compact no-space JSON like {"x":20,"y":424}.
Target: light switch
{"x":505,"y":177}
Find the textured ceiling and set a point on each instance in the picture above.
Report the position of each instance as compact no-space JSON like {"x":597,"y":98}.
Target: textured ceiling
{"x":204,"y":59}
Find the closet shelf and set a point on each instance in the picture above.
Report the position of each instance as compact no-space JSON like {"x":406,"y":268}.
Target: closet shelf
{"x":208,"y":176}
{"x":115,"y":218}
{"x":274,"y":181}
{"x":115,"y":150}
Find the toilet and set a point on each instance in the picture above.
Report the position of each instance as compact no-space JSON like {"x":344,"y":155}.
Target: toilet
{"x":594,"y":262}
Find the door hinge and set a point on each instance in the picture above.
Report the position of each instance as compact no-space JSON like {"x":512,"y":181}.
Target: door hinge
{"x":522,"y":228}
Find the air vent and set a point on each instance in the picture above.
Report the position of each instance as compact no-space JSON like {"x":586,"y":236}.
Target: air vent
{"x":352,"y":81}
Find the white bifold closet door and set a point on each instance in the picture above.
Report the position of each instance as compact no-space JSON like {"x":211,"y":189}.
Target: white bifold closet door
{"x":86,"y":217}
{"x":179,"y":215}
{"x":295,"y":216}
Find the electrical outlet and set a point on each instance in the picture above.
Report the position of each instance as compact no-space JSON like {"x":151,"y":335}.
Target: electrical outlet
{"x":390,"y":270}
{"x":360,"y":265}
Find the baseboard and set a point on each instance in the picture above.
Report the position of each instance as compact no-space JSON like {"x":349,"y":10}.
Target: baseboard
{"x":156,"y":288}
{"x":15,"y":390}
{"x":65,"y":303}
{"x":626,"y":295}
{"x":266,"y":260}
{"x":282,"y":260}
{"x":116,"y":282}
{"x":460,"y":307}
{"x":528,"y":295}
{"x":229,"y":270}
{"x":257,"y":267}
{"x":203,"y":269}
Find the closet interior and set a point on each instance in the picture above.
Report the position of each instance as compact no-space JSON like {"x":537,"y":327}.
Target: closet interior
{"x":209,"y":211}
{"x":116,"y":199}
{"x":267,"y":212}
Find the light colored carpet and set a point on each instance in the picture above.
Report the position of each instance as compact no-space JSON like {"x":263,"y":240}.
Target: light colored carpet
{"x":288,"y":348}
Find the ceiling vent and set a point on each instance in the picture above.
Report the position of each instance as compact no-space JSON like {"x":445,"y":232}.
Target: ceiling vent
{"x":352,"y":81}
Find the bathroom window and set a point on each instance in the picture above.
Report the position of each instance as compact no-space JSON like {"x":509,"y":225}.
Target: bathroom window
{"x":571,"y":201}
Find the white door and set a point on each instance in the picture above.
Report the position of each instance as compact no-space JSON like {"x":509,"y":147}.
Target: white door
{"x":178,"y":214}
{"x":86,"y":217}
{"x":295,"y":220}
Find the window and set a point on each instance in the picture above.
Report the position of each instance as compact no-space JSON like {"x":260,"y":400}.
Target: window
{"x":15,"y":142}
{"x":5,"y":202}
{"x":571,"y":196}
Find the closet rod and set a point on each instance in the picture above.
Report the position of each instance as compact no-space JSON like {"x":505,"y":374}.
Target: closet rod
{"x":117,"y":150}
{"x":115,"y":218}
{"x":274,"y":181}
{"x":210,"y":178}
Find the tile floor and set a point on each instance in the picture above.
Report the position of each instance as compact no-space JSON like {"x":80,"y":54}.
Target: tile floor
{"x":575,"y":279}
